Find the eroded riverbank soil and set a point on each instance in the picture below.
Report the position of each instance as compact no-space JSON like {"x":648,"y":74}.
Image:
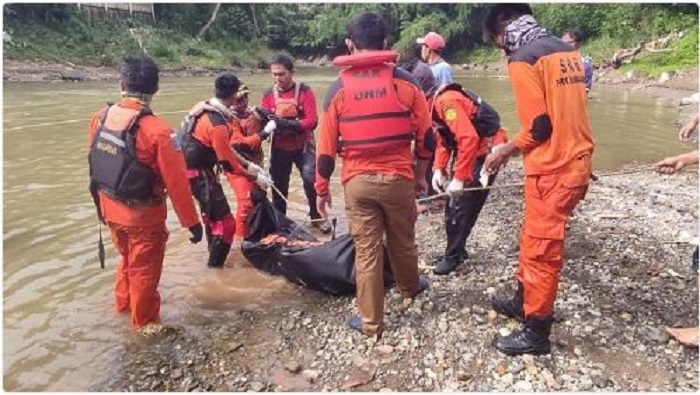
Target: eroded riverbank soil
{"x":627,"y":275}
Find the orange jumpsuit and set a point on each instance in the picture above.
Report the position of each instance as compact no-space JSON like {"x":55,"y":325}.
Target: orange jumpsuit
{"x":550,"y":92}
{"x":138,"y":232}
{"x":214,"y":131}
{"x":249,"y":145}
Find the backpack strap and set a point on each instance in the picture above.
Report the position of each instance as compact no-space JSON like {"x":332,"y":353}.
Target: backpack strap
{"x":297,"y":90}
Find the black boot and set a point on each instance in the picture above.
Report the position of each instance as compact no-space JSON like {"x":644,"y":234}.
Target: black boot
{"x":512,"y":308}
{"x":533,"y":339}
{"x":218,"y":253}
{"x":447,"y":265}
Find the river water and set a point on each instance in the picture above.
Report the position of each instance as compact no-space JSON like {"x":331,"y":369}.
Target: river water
{"x":60,"y":333}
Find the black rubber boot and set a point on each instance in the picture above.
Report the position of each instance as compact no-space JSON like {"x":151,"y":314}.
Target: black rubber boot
{"x":513,"y":307}
{"x":218,"y":253}
{"x":448,"y":264}
{"x":533,"y":339}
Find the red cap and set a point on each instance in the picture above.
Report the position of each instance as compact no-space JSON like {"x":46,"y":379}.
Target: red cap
{"x":433,"y":40}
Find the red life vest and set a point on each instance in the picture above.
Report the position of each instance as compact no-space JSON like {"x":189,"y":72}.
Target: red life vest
{"x":372,"y":120}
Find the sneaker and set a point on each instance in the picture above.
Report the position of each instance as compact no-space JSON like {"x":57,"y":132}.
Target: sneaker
{"x":423,"y":285}
{"x":355,"y":322}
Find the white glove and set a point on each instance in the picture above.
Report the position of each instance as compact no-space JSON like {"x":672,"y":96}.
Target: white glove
{"x":270,"y":127}
{"x":483,"y":177}
{"x":254,"y":170}
{"x":438,"y":180}
{"x":454,"y":186}
{"x":263,"y":180}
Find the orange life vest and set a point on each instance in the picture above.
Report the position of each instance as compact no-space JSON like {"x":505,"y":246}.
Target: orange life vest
{"x":372,"y":119}
{"x":250,"y":124}
{"x":287,"y":108}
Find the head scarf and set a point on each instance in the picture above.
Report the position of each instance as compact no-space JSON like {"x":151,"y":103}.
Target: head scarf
{"x":522,"y":31}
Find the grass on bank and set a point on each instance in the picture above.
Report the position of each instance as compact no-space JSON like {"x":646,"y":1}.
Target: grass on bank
{"x":104,"y":45}
{"x":683,"y":55}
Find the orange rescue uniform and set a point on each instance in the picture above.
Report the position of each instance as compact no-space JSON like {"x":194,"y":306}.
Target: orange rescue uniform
{"x":457,"y":112}
{"x":249,"y":145}
{"x":550,"y":91}
{"x":138,"y":231}
{"x":213,"y":129}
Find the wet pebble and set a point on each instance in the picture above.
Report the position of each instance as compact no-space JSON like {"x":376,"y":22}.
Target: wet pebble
{"x":516,"y":367}
{"x":655,"y":335}
{"x":523,"y":386}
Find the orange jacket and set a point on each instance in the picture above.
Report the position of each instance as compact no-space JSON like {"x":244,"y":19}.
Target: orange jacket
{"x":549,"y":83}
{"x":398,"y":163}
{"x":214,"y":131}
{"x":155,"y":147}
{"x":457,"y":111}
{"x":248,"y":142}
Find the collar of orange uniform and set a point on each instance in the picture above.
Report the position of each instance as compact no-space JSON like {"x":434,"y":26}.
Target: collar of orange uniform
{"x":367,"y":58}
{"x":132,"y":103}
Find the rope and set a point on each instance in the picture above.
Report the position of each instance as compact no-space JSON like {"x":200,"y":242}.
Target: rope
{"x":465,"y":190}
{"x":594,"y":177}
{"x":304,"y":221}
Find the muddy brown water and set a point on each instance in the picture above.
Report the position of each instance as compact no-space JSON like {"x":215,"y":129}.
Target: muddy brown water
{"x":60,"y":333}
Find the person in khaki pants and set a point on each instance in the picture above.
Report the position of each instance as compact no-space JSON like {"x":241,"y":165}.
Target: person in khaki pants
{"x":373,"y":112}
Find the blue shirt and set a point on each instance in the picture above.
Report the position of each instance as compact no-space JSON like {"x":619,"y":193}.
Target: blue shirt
{"x":442,"y":73}
{"x":588,"y":70}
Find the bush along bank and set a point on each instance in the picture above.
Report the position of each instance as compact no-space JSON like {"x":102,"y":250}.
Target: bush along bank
{"x":103,"y":46}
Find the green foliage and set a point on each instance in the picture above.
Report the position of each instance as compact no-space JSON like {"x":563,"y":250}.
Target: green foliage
{"x":684,"y":54}
{"x":480,"y":55}
{"x":245,"y":34}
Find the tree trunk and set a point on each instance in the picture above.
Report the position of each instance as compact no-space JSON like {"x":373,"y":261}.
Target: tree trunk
{"x":211,"y":20}
{"x":255,"y":19}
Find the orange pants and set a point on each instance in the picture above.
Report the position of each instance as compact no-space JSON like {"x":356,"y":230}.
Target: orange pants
{"x":242,"y":187}
{"x":549,"y":202}
{"x":138,"y":273}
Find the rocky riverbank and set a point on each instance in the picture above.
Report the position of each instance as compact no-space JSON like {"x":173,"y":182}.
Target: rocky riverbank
{"x":627,"y":275}
{"x":25,"y":71}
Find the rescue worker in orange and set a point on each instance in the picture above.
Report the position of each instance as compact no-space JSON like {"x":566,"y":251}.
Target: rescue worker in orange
{"x":549,"y":84}
{"x":249,"y":145}
{"x":206,"y":143}
{"x":293,"y":105}
{"x":134,"y":158}
{"x":467,"y":128}
{"x":373,"y":112}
